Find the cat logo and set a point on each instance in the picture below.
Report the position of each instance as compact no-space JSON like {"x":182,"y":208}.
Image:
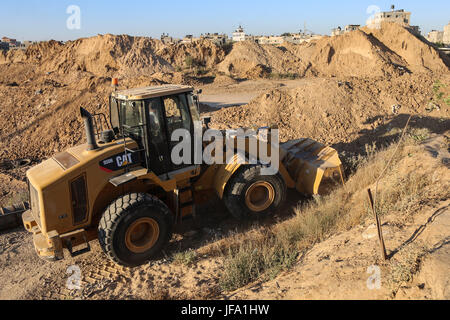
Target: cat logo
{"x":124,"y":160}
{"x":119,"y":162}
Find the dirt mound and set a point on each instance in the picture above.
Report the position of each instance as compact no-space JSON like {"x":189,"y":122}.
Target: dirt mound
{"x":247,"y":56}
{"x":352,"y":54}
{"x":224,"y":80}
{"x":330,"y":110}
{"x":415,"y":50}
{"x":391,"y":51}
{"x":110,"y":55}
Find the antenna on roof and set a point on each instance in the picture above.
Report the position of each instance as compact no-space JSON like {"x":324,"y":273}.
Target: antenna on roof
{"x":392,"y":7}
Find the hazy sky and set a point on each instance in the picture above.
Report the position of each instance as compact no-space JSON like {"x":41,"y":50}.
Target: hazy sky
{"x":47,"y":19}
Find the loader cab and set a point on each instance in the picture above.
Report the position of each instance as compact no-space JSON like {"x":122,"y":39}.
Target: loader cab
{"x":150,"y":116}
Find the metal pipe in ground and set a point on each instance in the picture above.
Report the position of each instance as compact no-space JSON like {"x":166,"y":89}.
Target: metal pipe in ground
{"x":380,"y":231}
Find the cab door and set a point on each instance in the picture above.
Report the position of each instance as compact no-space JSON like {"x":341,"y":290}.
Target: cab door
{"x":177,"y":116}
{"x":158,"y":147}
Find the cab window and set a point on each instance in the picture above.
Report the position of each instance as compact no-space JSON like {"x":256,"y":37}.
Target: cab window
{"x":177,"y":114}
{"x":131,"y":114}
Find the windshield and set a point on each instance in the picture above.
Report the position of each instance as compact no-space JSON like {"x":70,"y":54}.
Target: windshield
{"x":127,"y":118}
{"x":131,"y":114}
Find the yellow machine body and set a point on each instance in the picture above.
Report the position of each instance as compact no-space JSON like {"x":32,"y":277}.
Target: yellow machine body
{"x":78,"y":175}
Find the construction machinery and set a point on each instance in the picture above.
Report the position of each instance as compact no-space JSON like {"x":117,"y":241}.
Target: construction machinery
{"x":122,"y":187}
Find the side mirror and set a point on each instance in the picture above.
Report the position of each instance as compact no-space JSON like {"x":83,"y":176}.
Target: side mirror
{"x":199,"y":91}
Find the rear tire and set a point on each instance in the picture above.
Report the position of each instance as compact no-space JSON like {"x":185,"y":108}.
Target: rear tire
{"x":135,"y":228}
{"x":252,"y":195}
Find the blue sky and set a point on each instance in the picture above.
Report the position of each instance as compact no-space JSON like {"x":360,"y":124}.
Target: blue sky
{"x":46,"y":19}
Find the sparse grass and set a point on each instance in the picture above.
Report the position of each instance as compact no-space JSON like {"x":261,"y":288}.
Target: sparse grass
{"x":265,"y":252}
{"x":419,"y":135}
{"x":257,"y":260}
{"x":403,"y":193}
{"x":439,"y":89}
{"x":406,"y":265}
{"x":186,"y":258}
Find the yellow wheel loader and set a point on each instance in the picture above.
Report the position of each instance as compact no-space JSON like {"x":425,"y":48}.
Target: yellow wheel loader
{"x":123,"y":188}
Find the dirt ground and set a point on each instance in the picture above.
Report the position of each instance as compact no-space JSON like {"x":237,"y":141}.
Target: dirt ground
{"x":339,"y":268}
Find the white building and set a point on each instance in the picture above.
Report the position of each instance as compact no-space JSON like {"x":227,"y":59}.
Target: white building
{"x":351,"y":27}
{"x":397,"y":16}
{"x":336,"y":31}
{"x":239,"y":35}
{"x":436,"y":36}
{"x":446,"y":37}
{"x":348,"y":28}
{"x":274,"y":40}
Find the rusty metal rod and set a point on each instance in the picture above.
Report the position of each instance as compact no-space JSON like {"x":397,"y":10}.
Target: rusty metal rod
{"x":380,"y":231}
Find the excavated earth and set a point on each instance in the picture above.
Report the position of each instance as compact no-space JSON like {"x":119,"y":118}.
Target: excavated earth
{"x":349,"y":92}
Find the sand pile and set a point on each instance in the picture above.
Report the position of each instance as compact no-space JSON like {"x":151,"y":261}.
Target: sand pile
{"x":353,"y":54}
{"x":330,"y":110}
{"x":109,"y":55}
{"x":414,"y":50}
{"x":247,"y":56}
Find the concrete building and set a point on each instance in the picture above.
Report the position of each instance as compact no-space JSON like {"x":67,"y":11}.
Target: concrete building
{"x":336,"y":31}
{"x":301,"y":37}
{"x":397,"y":16}
{"x":348,"y":28}
{"x":4,"y":46}
{"x":274,"y":40}
{"x":219,"y":39}
{"x":239,"y":35}
{"x":9,"y":40}
{"x":446,"y":37}
{"x":189,"y":39}
{"x":436,"y":36}
{"x":166,"y":39}
{"x":351,"y":27}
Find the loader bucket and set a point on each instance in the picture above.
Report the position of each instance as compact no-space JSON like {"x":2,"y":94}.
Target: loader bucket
{"x":11,"y":217}
{"x":314,"y":167}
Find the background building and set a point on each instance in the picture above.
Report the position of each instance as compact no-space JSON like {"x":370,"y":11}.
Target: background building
{"x":218,"y":39}
{"x":166,"y":39}
{"x":239,"y":35}
{"x":348,"y":28}
{"x":4,"y":45}
{"x":397,"y":16}
{"x":446,"y":36}
{"x":436,"y":36}
{"x":400,"y":17}
{"x":351,"y":27}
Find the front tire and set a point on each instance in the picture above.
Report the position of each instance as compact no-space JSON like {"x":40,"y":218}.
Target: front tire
{"x":252,"y":195}
{"x":134,"y":229}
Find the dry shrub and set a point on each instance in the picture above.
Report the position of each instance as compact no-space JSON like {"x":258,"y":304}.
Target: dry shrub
{"x":257,"y":260}
{"x":406,"y":265}
{"x":263,"y":253}
{"x":186,"y":258}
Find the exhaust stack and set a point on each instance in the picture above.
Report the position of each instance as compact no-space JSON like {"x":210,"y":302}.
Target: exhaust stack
{"x":87,"y":117}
